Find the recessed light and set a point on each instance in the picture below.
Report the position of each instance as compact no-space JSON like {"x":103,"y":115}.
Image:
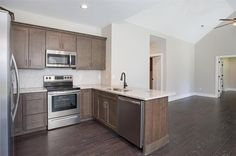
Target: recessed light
{"x":84,"y":6}
{"x":234,"y":23}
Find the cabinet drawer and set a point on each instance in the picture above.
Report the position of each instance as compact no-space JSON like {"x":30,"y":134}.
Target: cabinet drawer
{"x":34,"y":96}
{"x":34,"y":107}
{"x":35,"y":121}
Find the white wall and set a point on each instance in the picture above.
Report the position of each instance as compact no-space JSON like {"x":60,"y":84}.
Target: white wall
{"x":180,"y":68}
{"x":229,"y":70}
{"x":34,"y":78}
{"x":130,"y":54}
{"x":218,"y":42}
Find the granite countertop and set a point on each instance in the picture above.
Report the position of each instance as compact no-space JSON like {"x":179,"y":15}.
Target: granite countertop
{"x":32,"y":90}
{"x":136,"y":93}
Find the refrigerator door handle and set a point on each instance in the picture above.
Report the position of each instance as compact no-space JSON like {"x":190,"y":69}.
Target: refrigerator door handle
{"x":17,"y":88}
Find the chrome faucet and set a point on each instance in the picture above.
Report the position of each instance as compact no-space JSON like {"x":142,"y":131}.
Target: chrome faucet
{"x":121,"y":78}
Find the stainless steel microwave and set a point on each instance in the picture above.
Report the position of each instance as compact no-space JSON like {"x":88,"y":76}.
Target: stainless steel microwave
{"x":60,"y":59}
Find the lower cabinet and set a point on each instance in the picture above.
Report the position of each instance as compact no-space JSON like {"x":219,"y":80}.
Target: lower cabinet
{"x":31,"y":114}
{"x":86,"y":104}
{"x":105,"y":108}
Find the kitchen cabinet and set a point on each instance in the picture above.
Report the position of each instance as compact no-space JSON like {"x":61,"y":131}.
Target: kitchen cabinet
{"x":19,"y":45}
{"x":28,"y":47}
{"x":86,"y":104}
{"x":98,"y":54}
{"x":56,"y":40}
{"x":36,"y":48}
{"x":31,"y":114}
{"x":105,"y":108}
{"x":91,"y":53}
{"x":84,"y":53}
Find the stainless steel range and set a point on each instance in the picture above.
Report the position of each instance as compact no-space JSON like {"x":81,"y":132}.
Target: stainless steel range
{"x":63,"y":101}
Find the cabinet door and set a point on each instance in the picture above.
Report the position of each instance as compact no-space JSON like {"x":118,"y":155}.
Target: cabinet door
{"x":18,"y":122}
{"x":84,"y":53}
{"x":19,"y":45}
{"x":95,"y":105}
{"x":98,"y":54}
{"x":37,"y":48}
{"x":102,"y":109}
{"x":112,"y":113}
{"x":34,"y":122}
{"x":53,"y":40}
{"x":68,"y":42}
{"x":86,"y":104}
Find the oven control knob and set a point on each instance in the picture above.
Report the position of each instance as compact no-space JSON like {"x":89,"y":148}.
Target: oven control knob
{"x":49,"y":77}
{"x":46,"y":77}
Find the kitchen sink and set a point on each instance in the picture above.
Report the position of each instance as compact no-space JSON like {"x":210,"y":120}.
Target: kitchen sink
{"x":118,"y":89}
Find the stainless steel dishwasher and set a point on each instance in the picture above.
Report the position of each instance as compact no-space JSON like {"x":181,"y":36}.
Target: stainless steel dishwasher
{"x":131,"y":120}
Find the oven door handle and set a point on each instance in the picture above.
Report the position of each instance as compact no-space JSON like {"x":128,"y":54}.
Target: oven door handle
{"x":63,"y":92}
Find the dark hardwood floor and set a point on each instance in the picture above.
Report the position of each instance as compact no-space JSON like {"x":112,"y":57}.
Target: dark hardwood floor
{"x":199,"y":126}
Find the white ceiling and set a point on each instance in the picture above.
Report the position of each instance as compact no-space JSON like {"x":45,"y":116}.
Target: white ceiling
{"x":178,"y":18}
{"x":183,"y":18}
{"x":99,"y":13}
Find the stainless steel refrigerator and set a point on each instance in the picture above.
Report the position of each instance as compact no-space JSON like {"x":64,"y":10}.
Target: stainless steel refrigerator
{"x":9,"y":91}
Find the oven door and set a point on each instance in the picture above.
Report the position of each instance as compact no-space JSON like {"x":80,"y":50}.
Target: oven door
{"x":63,"y":103}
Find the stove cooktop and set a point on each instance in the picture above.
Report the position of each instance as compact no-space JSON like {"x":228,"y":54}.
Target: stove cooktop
{"x":62,"y":88}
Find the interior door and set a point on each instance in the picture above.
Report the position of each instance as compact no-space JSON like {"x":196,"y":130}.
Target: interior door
{"x":156,"y":73}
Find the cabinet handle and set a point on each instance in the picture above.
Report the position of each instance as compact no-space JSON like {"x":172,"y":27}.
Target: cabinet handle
{"x":26,"y":63}
{"x":29,"y":62}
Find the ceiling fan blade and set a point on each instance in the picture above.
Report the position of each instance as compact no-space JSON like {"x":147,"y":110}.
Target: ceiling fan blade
{"x":224,"y":25}
{"x":227,"y":19}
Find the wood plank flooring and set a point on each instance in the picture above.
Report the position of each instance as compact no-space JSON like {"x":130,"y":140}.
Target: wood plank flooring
{"x":198,"y":126}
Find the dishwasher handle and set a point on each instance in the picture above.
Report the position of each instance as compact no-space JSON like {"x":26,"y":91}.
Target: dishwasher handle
{"x":129,"y":100}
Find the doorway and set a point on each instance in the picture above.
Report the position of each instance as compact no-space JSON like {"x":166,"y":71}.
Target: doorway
{"x":156,"y":72}
{"x":225,"y":74}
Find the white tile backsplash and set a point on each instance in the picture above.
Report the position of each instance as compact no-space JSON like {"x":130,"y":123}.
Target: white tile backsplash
{"x":34,"y":78}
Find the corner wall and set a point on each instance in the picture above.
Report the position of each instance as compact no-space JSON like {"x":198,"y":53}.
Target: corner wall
{"x":130,"y":51}
{"x":218,"y":42}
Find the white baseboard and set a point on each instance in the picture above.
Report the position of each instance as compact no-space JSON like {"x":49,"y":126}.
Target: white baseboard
{"x":178,"y":97}
{"x":230,"y":89}
{"x":205,"y":95}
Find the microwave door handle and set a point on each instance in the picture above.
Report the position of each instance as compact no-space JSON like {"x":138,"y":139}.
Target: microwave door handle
{"x":17,"y":88}
{"x":70,"y":60}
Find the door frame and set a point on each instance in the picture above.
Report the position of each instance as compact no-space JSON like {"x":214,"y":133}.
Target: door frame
{"x":162,"y":67}
{"x":217,"y":72}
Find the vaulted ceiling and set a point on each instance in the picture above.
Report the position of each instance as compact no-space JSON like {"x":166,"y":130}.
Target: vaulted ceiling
{"x":188,"y":20}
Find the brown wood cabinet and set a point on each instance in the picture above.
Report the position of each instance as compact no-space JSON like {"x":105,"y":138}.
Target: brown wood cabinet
{"x":86,"y":104}
{"x":31,"y":114}
{"x":28,"y":46}
{"x":60,"y":41}
{"x":91,"y":53}
{"x":98,"y":54}
{"x":105,"y":108}
{"x":84,"y":53}
{"x":36,"y":48}
{"x":19,"y":45}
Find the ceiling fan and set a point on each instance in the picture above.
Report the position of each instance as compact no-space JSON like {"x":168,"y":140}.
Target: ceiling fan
{"x":230,"y":21}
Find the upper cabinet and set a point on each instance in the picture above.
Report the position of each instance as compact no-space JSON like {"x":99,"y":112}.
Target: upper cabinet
{"x":91,"y":53}
{"x":28,"y":47}
{"x":98,"y":54}
{"x":60,"y":41}
{"x":29,"y":44}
